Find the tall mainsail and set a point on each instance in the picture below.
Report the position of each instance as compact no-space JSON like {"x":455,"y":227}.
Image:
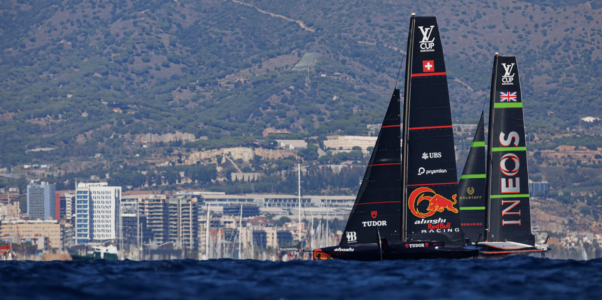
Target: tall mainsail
{"x":378,"y":202}
{"x":429,"y":179}
{"x":509,"y":215}
{"x":471,"y":188}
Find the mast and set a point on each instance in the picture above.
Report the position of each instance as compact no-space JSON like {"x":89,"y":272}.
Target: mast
{"x":299,"y":185}
{"x":406,"y":121}
{"x":489,"y":144}
{"x":239,"y":234}
{"x":207,"y":224}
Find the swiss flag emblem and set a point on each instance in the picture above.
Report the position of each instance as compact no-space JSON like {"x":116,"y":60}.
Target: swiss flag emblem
{"x":426,"y":245}
{"x":428,"y":66}
{"x":374,"y":214}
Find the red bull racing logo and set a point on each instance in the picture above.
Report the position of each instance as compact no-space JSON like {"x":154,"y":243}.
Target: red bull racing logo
{"x":437,"y":203}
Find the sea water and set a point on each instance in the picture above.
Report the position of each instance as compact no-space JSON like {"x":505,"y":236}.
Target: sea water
{"x":507,"y":278}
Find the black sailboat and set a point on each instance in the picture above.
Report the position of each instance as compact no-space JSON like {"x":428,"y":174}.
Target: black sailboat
{"x":508,"y":225}
{"x":406,"y":206}
{"x":471,"y":188}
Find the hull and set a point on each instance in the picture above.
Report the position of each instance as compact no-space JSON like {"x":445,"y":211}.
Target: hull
{"x":394,"y":251}
{"x":502,"y":249}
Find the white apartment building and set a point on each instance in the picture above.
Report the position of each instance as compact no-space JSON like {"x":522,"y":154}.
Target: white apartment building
{"x":97,"y":212}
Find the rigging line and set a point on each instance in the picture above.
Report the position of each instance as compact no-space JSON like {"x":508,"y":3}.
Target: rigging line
{"x":398,"y":72}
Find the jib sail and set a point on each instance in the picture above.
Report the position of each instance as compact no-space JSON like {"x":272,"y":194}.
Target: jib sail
{"x":471,"y":188}
{"x":429,"y":178}
{"x":378,"y":199}
{"x":509,"y":215}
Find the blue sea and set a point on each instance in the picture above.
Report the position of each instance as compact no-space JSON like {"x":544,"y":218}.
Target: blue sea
{"x":507,"y":278}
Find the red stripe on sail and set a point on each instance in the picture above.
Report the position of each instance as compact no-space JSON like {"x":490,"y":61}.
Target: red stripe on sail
{"x":429,"y":74}
{"x":378,"y":202}
{"x":390,"y":164}
{"x":388,"y":126}
{"x":441,"y":183}
{"x":430,"y":127}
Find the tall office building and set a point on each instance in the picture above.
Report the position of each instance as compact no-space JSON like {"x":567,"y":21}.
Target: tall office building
{"x":41,"y":201}
{"x":66,"y":201}
{"x":97,"y":216}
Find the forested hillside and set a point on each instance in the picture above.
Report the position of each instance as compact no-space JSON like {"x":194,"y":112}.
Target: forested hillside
{"x":84,"y":76}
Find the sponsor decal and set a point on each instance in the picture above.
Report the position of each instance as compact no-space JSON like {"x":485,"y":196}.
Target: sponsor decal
{"x":375,"y":223}
{"x":426,"y":156}
{"x":344,"y":249}
{"x":470,"y":190}
{"x":437,"y":203}
{"x":429,"y":221}
{"x":425,"y":245}
{"x":510,"y":184}
{"x":373,"y":214}
{"x":428,"y":66}
{"x":427,"y":44}
{"x":439,"y":226}
{"x":516,"y":161}
{"x":508,"y":77}
{"x":421,"y":171}
{"x":507,"y":96}
{"x":351,"y":237}
{"x":448,"y":230}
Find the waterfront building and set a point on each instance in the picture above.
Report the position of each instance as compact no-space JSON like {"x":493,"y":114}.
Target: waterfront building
{"x":183,"y":219}
{"x":97,"y":212}
{"x":41,"y":201}
{"x":32,"y":229}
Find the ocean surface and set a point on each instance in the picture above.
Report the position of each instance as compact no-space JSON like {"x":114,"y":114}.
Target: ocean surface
{"x":508,"y":278}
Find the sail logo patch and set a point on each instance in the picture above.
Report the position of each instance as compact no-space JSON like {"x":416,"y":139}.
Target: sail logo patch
{"x":516,"y":161}
{"x":373,"y":214}
{"x":428,"y":66}
{"x":510,"y":184}
{"x":421,"y":171}
{"x":470,"y":190}
{"x":507,"y":96}
{"x":427,"y":44}
{"x":426,"y":156}
{"x":375,"y":223}
{"x":351,"y":236}
{"x":508,"y":77}
{"x":437,"y":203}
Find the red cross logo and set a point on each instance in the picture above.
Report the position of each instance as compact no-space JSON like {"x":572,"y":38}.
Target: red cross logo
{"x":428,"y":66}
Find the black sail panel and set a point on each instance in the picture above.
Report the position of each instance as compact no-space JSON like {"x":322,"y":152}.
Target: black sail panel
{"x":431,"y":180}
{"x":509,"y":209}
{"x":471,"y":188}
{"x":378,"y":202}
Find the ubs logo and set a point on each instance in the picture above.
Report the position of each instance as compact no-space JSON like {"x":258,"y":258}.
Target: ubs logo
{"x":508,"y":78}
{"x":427,"y":44}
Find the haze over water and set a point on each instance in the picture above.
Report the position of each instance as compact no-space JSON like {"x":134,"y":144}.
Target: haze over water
{"x":507,"y":278}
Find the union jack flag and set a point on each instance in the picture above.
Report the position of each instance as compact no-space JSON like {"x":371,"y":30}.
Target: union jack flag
{"x":507,"y":96}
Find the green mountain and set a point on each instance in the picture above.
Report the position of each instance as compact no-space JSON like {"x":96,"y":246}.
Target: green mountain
{"x":85,"y":76}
